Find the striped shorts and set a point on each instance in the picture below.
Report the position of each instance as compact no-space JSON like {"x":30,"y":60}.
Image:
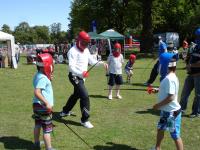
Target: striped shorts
{"x":42,"y":117}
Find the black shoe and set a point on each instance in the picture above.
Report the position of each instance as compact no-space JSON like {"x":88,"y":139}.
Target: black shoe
{"x":192,"y":115}
{"x":183,"y":112}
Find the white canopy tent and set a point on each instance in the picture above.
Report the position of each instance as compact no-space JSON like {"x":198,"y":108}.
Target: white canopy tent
{"x":11,"y":46}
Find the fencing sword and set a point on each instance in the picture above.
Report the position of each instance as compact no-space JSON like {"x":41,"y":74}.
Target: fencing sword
{"x":93,"y":66}
{"x":58,"y":118}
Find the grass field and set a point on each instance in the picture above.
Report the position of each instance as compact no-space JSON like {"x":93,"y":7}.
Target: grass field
{"x":127,"y":124}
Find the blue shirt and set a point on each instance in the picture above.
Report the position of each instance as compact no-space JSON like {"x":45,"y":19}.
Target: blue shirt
{"x":164,"y":60}
{"x":128,"y":65}
{"x":162,"y":47}
{"x":40,"y":81}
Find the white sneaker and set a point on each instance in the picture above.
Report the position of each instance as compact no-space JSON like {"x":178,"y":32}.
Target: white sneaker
{"x":153,"y":148}
{"x":63,"y":114}
{"x":87,"y":124}
{"x":110,"y":97}
{"x":119,"y":96}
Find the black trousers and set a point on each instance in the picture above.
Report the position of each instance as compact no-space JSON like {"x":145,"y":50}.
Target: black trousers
{"x":154,"y":73}
{"x":79,"y":92}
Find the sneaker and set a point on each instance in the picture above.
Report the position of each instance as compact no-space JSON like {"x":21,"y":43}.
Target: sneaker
{"x":192,"y":115}
{"x":153,"y":148}
{"x":37,"y":145}
{"x":110,"y":97}
{"x":119,"y":97}
{"x":87,"y":124}
{"x":63,"y":114}
{"x":51,"y":149}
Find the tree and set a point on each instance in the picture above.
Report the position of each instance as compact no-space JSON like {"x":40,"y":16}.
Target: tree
{"x":23,"y":33}
{"x":147,"y":30}
{"x":57,"y":36}
{"x":6,"y":28}
{"x":116,"y":14}
{"x":42,"y":34}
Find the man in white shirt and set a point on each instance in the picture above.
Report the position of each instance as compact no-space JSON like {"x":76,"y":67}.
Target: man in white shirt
{"x":79,"y":57}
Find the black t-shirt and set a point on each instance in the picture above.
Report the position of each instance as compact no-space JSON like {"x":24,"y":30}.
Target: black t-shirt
{"x":195,"y":57}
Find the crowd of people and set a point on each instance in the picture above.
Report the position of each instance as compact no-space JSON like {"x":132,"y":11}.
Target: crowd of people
{"x":79,"y":57}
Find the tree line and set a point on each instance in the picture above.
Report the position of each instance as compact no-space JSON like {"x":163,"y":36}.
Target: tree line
{"x":137,"y":17}
{"x":129,"y":17}
{"x":24,"y":34}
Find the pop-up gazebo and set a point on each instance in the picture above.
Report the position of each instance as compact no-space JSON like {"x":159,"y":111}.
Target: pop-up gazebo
{"x":95,"y":36}
{"x":11,"y":46}
{"x":112,"y":35}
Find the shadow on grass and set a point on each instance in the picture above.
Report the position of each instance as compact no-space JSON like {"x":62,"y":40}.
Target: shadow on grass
{"x":142,"y":84}
{"x":98,"y":96}
{"x":149,"y":111}
{"x":14,"y":142}
{"x":113,"y":146}
{"x":188,"y":116}
{"x":135,"y":89}
{"x":56,"y":117}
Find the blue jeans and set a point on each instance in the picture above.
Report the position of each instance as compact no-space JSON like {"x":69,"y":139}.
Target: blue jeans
{"x":191,"y":83}
{"x":196,"y":103}
{"x":187,"y":89}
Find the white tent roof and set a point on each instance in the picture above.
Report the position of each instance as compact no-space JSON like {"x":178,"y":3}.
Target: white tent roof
{"x":5,"y":36}
{"x":11,"y":45}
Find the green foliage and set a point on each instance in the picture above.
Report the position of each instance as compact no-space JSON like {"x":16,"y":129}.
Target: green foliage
{"x":6,"y":28}
{"x":25,"y":34}
{"x":107,"y":13}
{"x":137,"y":17}
{"x":42,"y":33}
{"x":125,"y":124}
{"x":56,"y":35}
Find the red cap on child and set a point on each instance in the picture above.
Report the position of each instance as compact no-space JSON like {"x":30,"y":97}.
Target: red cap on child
{"x":132,"y":57}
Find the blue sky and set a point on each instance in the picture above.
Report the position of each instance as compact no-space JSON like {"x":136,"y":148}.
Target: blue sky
{"x":35,"y":12}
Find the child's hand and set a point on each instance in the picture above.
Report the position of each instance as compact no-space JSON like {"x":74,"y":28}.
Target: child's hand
{"x":105,"y":66}
{"x":49,"y":107}
{"x":155,"y":90}
{"x":85,"y":74}
{"x":151,"y":90}
{"x":156,"y":107}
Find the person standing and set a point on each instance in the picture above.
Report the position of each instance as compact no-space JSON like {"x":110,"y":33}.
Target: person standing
{"x":129,"y":67}
{"x":93,"y":49}
{"x":79,"y":57}
{"x":115,"y":61}
{"x":43,"y":100}
{"x":185,"y":48}
{"x":170,"y":115}
{"x":154,"y":72}
{"x":192,"y":80}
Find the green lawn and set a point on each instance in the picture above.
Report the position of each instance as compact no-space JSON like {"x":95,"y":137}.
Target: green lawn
{"x":127,"y":124}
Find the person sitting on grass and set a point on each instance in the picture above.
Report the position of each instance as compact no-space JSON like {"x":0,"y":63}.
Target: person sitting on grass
{"x":170,"y":116}
{"x":129,"y":67}
{"x":43,"y":100}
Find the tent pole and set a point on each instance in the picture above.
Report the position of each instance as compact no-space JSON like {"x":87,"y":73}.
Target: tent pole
{"x":124,"y":49}
{"x":109,"y":46}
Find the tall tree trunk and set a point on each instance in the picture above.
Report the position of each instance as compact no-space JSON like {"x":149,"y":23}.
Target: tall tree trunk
{"x":147,"y":33}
